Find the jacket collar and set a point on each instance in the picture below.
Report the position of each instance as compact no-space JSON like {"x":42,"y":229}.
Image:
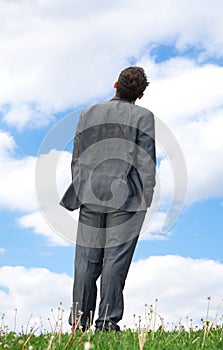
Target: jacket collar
{"x":116,"y":98}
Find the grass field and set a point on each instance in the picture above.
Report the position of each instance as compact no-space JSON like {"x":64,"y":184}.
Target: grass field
{"x":206,"y":338}
{"x":154,"y":335}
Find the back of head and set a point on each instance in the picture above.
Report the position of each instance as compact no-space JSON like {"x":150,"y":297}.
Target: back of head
{"x":131,"y":84}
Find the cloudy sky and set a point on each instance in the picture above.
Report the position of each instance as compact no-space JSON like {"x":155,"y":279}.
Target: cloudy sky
{"x":57,"y":57}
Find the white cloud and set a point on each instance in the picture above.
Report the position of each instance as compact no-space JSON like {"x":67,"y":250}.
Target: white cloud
{"x":7,"y":144}
{"x":18,"y":191}
{"x":180,"y":89}
{"x":187,"y":97}
{"x":16,"y":177}
{"x":152,"y":228}
{"x":40,"y":226}
{"x":35,"y":292}
{"x":23,"y":115}
{"x":180,"y":284}
{"x":58,"y":56}
{"x":203,"y":157}
{"x":3,"y":250}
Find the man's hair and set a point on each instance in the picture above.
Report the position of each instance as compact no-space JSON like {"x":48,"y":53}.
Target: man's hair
{"x":132,"y":82}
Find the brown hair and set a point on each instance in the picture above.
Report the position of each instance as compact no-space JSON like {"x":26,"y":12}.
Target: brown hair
{"x":132,"y":82}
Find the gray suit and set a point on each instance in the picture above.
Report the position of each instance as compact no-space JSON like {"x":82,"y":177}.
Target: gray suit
{"x":114,"y":146}
{"x":113,"y":177}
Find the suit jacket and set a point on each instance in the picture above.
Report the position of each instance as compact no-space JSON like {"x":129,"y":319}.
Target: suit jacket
{"x":114,"y":161}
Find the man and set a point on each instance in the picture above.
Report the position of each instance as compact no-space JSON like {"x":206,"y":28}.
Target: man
{"x":113,"y":177}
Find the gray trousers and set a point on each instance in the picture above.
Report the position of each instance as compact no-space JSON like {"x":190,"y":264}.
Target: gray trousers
{"x":105,"y":246}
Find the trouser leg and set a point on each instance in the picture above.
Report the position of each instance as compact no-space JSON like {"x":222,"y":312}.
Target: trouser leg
{"x":88,"y":266}
{"x":116,"y":265}
{"x":117,"y":260}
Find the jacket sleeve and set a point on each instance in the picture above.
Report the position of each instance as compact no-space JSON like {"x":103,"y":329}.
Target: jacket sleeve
{"x":146,"y":155}
{"x":75,"y":155}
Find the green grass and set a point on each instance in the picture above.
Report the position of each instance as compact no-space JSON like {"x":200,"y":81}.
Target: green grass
{"x":205,"y":338}
{"x":209,"y":335}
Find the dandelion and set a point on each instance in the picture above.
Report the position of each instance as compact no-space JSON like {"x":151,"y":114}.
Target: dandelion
{"x":87,"y":346}
{"x":162,"y":322}
{"x":139,"y":323}
{"x":206,"y":322}
{"x":134,"y":320}
{"x":142,"y":339}
{"x":106,"y":310}
{"x":15,"y":319}
{"x":155,"y":314}
{"x":146,"y":313}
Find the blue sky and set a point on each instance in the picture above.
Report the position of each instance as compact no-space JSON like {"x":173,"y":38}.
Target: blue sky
{"x":48,"y":71}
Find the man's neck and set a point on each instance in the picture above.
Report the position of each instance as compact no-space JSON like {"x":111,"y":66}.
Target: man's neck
{"x":117,"y":95}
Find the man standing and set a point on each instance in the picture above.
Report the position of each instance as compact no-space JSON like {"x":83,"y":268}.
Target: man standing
{"x":113,"y":177}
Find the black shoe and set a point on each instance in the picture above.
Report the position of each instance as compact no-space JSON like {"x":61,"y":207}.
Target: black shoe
{"x":107,"y":326}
